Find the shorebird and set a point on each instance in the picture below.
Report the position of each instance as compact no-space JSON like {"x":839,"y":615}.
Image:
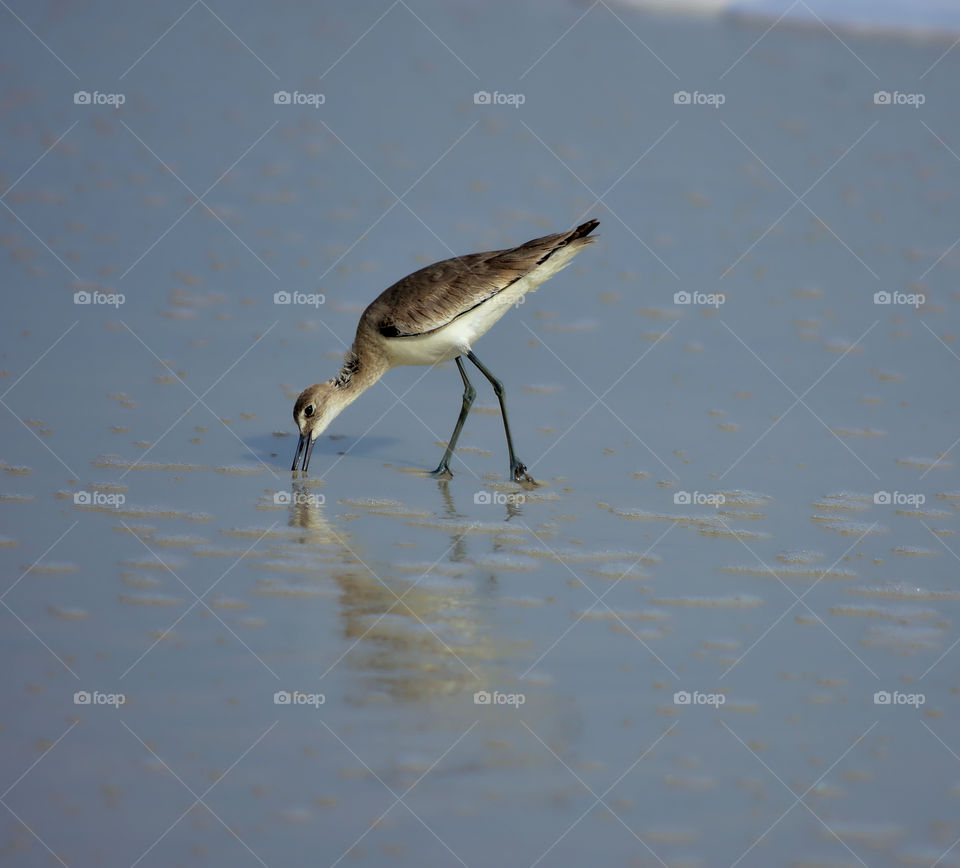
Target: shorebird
{"x":435,"y":315}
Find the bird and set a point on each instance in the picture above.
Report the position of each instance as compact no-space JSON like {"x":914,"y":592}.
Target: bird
{"x":435,"y":315}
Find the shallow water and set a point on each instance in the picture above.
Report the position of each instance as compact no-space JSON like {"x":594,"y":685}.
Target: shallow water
{"x":721,"y":630}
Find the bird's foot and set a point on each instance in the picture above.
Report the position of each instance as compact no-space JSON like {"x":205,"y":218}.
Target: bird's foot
{"x":442,"y":472}
{"x":518,"y":470}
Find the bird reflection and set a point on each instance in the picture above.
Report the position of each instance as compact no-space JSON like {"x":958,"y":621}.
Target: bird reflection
{"x":425,"y":636}
{"x":414,"y":636}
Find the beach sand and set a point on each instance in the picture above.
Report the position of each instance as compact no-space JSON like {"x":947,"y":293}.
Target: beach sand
{"x":721,"y":631}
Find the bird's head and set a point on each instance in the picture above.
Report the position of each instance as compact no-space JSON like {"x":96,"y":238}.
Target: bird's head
{"x":314,"y":410}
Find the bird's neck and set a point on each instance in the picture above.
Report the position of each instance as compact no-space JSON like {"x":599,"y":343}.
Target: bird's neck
{"x":357,"y":374}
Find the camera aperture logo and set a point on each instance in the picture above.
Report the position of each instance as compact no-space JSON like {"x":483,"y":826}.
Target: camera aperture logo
{"x":111,"y":299}
{"x":98,"y":498}
{"x":898,"y":498}
{"x":685,"y":697}
{"x":85,"y":97}
{"x":484,"y":97}
{"x":698,"y":498}
{"x":298,"y":697}
{"x":885,"y":97}
{"x":486,"y":697}
{"x":497,"y":498}
{"x":910,"y":299}
{"x":298,"y":498}
{"x":309,"y":299}
{"x":707,"y":299}
{"x":886,"y":697}
{"x":86,"y":697}
{"x":285,"y":97}
{"x":686,"y":97}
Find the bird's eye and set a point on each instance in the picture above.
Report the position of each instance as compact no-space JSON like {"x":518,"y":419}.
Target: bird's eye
{"x":309,"y":411}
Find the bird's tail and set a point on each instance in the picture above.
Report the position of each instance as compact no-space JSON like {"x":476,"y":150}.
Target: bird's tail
{"x":576,"y":236}
{"x":583,"y":230}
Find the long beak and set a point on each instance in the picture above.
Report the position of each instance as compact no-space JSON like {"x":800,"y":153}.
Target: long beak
{"x":309,"y":452}
{"x":305,"y":441}
{"x":296,"y":458}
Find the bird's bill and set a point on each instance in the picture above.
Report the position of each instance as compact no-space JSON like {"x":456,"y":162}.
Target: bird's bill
{"x":304,"y":445}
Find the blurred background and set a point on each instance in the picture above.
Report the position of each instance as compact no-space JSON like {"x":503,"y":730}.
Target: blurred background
{"x":722,"y":628}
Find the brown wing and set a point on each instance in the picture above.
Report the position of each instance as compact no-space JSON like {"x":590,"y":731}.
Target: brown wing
{"x":432,"y":297}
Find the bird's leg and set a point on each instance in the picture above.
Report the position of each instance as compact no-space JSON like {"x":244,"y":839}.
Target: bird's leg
{"x":518,"y":470}
{"x":469,"y":393}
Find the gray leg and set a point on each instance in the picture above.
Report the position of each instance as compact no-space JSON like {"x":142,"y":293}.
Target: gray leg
{"x":518,"y":470}
{"x":469,"y":393}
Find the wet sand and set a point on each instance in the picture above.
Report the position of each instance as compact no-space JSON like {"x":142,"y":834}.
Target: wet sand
{"x":722,"y":628}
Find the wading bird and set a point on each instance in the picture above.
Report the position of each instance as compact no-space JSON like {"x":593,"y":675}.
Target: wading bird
{"x":435,"y":315}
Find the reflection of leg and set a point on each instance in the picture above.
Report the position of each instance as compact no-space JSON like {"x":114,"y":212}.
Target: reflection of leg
{"x":518,"y":470}
{"x":469,"y":393}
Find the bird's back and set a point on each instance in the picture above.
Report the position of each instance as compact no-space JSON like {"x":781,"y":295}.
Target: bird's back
{"x":434,"y":296}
